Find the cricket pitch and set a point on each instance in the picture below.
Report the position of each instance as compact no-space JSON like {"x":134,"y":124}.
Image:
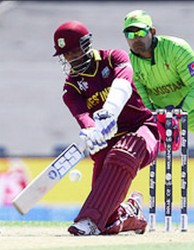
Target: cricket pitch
{"x":26,"y":237}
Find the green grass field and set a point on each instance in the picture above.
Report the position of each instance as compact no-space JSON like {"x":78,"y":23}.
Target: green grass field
{"x":54,"y":236}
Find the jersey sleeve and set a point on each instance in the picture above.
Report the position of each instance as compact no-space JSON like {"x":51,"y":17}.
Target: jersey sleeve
{"x":121,"y":64}
{"x":184,"y":58}
{"x":185,"y":67}
{"x":188,"y":102}
{"x":71,"y":96}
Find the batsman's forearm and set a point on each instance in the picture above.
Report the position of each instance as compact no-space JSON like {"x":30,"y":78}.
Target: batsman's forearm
{"x":120,"y":92}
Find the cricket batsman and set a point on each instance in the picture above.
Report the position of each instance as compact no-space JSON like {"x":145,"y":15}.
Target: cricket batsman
{"x":118,"y":130}
{"x":163,"y":71}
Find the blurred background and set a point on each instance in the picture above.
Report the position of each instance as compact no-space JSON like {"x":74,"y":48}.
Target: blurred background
{"x":34,"y":123}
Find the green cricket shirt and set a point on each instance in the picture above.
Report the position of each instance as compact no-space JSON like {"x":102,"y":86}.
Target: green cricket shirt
{"x":168,"y":77}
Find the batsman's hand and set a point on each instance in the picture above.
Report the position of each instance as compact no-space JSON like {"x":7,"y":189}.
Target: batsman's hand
{"x":106,"y":123}
{"x":94,"y":139}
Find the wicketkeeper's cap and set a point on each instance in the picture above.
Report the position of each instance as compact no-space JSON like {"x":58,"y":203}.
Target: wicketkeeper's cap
{"x":137,"y":18}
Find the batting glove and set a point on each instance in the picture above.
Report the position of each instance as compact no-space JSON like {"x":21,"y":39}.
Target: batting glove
{"x":106,"y":123}
{"x":94,"y":139}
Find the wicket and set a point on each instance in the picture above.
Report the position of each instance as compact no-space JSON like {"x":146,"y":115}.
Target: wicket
{"x":183,"y":116}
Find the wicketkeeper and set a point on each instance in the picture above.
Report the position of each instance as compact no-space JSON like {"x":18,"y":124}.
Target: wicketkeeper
{"x":119,"y":131}
{"x":163,"y":70}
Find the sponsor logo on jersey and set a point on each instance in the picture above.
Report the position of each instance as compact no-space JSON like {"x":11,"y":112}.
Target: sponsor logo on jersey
{"x":191,"y":68}
{"x":105,"y":72}
{"x":98,"y":97}
{"x":169,"y":88}
{"x":83,"y":85}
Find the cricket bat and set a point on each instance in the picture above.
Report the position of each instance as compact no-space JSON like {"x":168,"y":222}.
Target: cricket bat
{"x":48,"y":178}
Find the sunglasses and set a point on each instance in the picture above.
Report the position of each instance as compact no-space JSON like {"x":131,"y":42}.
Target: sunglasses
{"x":139,"y":33}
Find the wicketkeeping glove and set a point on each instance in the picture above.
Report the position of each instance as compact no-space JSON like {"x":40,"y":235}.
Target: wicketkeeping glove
{"x":176,"y":140}
{"x":106,"y":123}
{"x":94,"y":139}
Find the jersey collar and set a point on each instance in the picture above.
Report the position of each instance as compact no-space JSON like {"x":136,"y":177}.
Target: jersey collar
{"x":96,"y":54}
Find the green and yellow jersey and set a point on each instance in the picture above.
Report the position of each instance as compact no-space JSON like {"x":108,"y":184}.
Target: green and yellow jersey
{"x":168,"y":77}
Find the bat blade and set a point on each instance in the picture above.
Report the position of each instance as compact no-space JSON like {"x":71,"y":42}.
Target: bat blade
{"x":48,"y":178}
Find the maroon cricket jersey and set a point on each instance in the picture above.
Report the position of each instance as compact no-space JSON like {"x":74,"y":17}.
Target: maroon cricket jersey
{"x":86,"y":93}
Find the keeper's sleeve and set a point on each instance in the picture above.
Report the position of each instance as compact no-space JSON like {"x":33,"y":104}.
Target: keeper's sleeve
{"x":143,"y":94}
{"x":188,"y":102}
{"x":184,"y":58}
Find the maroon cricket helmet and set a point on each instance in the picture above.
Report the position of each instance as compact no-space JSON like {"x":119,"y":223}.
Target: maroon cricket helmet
{"x":68,"y":36}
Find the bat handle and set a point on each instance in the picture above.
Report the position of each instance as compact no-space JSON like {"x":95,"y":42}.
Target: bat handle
{"x":82,"y":146}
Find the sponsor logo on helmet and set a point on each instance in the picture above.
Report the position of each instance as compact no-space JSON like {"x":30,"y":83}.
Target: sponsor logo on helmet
{"x":61,"y":42}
